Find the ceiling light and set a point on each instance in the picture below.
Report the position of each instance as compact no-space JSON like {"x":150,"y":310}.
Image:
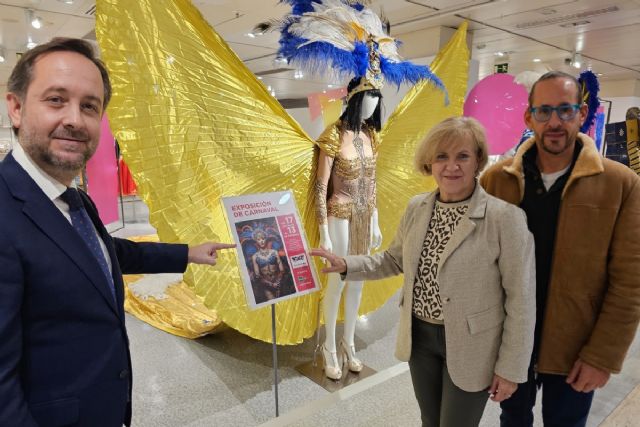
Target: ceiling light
{"x":577,"y":60}
{"x":2,"y":55}
{"x":298,"y":74}
{"x":31,"y":44}
{"x":500,"y":54}
{"x":280,"y":61}
{"x":253,"y":34}
{"x":537,"y":59}
{"x":35,"y":21}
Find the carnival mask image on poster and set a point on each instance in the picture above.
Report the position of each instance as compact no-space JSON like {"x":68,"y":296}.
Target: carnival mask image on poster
{"x":273,"y":258}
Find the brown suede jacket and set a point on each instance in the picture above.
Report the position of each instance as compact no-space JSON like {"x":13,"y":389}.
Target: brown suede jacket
{"x":593,"y":303}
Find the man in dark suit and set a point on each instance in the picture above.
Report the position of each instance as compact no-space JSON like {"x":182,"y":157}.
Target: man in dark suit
{"x":64,"y":354}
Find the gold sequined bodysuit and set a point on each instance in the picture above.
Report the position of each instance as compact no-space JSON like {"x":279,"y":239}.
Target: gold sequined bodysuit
{"x":346,"y":185}
{"x":346,"y":177}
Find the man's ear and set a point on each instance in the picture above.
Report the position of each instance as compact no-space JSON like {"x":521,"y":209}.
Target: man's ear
{"x":528,"y":118}
{"x":14,"y":108}
{"x":584,"y":110}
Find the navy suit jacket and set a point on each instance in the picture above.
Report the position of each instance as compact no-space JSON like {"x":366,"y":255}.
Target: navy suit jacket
{"x":64,"y":353}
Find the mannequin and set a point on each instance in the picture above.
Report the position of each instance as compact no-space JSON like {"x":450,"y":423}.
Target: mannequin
{"x":346,"y":207}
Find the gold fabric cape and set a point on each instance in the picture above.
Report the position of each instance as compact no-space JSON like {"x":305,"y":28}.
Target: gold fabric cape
{"x":195,"y":124}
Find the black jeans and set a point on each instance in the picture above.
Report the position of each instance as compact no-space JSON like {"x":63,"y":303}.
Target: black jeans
{"x":562,"y":406}
{"x":442,"y":403}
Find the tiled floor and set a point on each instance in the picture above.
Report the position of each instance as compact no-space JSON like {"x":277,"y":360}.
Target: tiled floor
{"x":226,"y":379}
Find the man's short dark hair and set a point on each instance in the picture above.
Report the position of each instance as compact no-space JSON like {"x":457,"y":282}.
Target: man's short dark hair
{"x":22,"y":73}
{"x":556,"y":75}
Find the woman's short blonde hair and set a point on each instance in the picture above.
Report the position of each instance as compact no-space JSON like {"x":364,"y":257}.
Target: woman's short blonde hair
{"x":453,"y":130}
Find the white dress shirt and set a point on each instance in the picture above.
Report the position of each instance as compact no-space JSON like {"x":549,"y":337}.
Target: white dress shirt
{"x":52,"y":189}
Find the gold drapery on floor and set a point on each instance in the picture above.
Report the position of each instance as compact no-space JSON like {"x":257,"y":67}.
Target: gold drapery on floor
{"x":179,"y":311}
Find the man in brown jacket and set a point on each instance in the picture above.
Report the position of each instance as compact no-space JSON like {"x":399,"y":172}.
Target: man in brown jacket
{"x":584,"y":213}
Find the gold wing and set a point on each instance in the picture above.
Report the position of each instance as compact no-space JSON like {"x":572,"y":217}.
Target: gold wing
{"x":195,"y":125}
{"x":421,"y":108}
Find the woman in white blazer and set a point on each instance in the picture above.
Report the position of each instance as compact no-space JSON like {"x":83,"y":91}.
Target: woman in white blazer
{"x":468,"y":301}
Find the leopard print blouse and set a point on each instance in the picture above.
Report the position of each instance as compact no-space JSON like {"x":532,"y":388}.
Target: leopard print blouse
{"x":427,"y":304}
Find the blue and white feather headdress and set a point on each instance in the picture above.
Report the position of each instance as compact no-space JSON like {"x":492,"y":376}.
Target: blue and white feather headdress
{"x":347,"y":39}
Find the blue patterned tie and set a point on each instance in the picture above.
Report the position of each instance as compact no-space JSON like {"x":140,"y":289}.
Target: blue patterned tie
{"x":83,"y":225}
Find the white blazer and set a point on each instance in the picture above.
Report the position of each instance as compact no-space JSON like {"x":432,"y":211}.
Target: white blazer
{"x":487,"y":285}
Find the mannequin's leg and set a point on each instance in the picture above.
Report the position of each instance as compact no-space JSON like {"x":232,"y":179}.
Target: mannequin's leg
{"x":330,"y":306}
{"x":339,"y":234}
{"x":352,"y":297}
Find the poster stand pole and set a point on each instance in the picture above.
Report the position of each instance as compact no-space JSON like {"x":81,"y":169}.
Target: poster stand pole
{"x":275,"y":355}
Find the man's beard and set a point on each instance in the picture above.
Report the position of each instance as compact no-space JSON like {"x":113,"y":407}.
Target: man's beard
{"x":556,"y":149}
{"x":43,"y":154}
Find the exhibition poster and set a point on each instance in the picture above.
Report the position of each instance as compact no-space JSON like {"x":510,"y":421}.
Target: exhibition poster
{"x":273,"y":254}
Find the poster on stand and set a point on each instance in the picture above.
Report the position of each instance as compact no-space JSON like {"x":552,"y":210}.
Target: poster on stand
{"x":274,"y":256}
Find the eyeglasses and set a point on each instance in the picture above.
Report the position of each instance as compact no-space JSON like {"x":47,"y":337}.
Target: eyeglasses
{"x":565,"y":112}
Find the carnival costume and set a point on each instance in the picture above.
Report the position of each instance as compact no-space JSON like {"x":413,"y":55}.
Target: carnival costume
{"x":196,"y":125}
{"x":353,"y":187}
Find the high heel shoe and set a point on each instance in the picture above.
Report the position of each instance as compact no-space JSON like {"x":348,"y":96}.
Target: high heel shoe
{"x":349,"y":354}
{"x":330,"y":364}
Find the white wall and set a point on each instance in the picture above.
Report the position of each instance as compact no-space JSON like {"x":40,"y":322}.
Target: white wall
{"x":302,"y":116}
{"x":619,"y":106}
{"x":6,"y":136}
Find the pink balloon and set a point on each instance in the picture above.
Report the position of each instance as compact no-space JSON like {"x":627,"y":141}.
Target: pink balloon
{"x":499,"y":104}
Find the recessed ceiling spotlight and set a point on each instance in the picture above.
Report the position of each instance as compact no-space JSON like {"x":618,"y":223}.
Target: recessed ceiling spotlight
{"x":66,"y":1}
{"x":577,"y":60}
{"x":537,"y":59}
{"x":3,"y":55}
{"x":500,"y":54}
{"x":254,"y":34}
{"x":35,"y":21}
{"x":599,"y":74}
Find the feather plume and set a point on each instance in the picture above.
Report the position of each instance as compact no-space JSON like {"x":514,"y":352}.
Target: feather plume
{"x":589,"y":87}
{"x":337,"y":37}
